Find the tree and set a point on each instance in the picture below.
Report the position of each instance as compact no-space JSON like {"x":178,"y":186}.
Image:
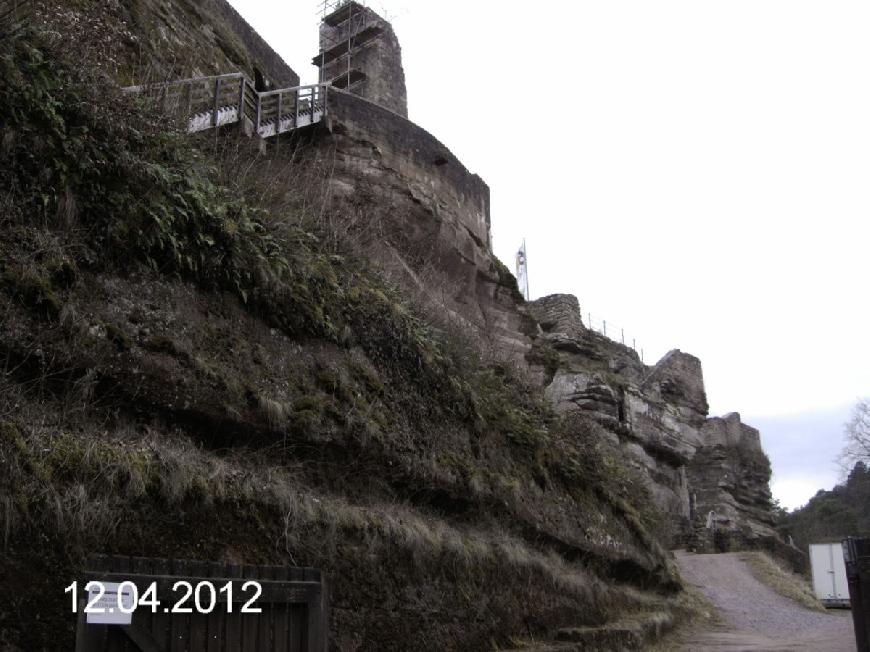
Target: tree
{"x":780,"y":513}
{"x":857,"y":447}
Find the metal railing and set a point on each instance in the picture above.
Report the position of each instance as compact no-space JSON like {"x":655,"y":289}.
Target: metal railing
{"x":613,"y":332}
{"x":209,"y":102}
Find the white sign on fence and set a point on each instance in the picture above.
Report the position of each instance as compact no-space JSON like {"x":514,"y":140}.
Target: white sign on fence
{"x":107,"y":604}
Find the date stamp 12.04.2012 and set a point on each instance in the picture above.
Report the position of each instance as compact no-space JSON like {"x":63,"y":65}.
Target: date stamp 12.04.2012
{"x":115,"y":602}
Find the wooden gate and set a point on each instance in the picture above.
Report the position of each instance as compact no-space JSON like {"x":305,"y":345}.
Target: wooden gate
{"x":294,"y":605}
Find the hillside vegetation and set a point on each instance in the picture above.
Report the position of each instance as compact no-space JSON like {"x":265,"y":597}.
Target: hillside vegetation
{"x":830,"y":516}
{"x":198,"y":361}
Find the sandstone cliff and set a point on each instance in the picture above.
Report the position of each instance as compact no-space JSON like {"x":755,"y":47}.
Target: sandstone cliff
{"x":304,"y":351}
{"x":693,"y":465}
{"x":433,"y":235}
{"x":152,"y":41}
{"x":202,"y":357}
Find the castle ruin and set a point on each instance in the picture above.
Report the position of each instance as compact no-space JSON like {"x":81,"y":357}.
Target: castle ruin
{"x":359,"y":53}
{"x":657,"y":415}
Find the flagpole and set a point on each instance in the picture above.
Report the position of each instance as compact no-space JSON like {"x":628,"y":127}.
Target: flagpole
{"x":526,"y":259}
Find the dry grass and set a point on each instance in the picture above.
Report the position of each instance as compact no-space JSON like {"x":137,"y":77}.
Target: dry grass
{"x":84,"y":483}
{"x":697,"y":613}
{"x":788,"y":584}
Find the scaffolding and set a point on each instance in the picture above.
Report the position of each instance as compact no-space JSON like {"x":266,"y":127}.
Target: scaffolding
{"x":346,"y":27}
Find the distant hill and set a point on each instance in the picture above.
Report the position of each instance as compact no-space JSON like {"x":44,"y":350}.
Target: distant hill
{"x":832,"y":515}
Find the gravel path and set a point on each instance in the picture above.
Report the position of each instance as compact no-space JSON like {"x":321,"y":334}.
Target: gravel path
{"x":758,"y":619}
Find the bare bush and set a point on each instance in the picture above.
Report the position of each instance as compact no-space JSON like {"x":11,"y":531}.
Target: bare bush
{"x":857,"y":432}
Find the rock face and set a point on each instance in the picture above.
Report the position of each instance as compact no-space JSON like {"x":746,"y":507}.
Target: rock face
{"x":428,"y":219}
{"x":729,"y":475}
{"x":433,"y":220}
{"x":693,"y":465}
{"x":189,"y":38}
{"x":429,"y":215}
{"x":263,"y":58}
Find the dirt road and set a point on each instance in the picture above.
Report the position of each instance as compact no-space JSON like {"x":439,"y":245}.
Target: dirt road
{"x":758,"y":619}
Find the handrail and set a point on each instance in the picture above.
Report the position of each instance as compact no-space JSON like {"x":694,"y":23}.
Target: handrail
{"x":293,"y":107}
{"x":189,"y":80}
{"x":291,"y":89}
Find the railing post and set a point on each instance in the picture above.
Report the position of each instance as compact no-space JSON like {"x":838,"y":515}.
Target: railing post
{"x":259,"y":111}
{"x":241,"y":113}
{"x":217,"y":90}
{"x":189,"y":105}
{"x":278,"y":119}
{"x":295,"y":109}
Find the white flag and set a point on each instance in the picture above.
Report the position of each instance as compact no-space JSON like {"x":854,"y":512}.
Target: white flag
{"x":523,"y":272}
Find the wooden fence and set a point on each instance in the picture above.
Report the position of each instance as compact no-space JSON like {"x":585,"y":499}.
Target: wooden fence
{"x":294,"y":605}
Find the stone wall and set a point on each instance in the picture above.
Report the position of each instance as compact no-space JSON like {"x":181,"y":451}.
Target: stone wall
{"x":432,"y":214}
{"x":729,"y":476}
{"x":558,"y":313}
{"x":269,"y":62}
{"x":191,"y":38}
{"x":432,"y":171}
{"x":375,"y":61}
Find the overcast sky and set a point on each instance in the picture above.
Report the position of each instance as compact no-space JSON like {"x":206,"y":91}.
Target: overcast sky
{"x":696,"y":172}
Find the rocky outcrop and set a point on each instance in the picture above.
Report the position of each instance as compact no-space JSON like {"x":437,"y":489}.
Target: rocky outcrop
{"x":189,"y":38}
{"x":427,"y":215}
{"x":729,"y":476}
{"x":658,"y":415}
{"x":428,"y":219}
{"x":433,"y":221}
{"x":316,"y":419}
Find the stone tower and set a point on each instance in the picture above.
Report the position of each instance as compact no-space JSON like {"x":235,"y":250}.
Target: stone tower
{"x":359,"y":53}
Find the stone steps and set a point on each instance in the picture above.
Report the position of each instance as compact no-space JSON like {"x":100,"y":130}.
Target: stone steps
{"x":624,"y":635}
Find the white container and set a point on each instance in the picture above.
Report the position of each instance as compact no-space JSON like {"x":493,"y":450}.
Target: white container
{"x":829,"y":574}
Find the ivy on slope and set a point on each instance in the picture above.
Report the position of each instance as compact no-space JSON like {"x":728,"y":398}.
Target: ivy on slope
{"x":84,"y":157}
{"x":98,"y":167}
{"x":72,"y":152}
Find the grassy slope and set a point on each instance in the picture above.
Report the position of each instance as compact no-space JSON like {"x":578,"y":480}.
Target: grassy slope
{"x":785,"y":582}
{"x":190,"y":370}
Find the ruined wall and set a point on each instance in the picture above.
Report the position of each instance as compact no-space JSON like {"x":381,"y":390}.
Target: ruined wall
{"x":729,"y":475}
{"x":658,"y":415}
{"x":559,"y":313}
{"x":372,"y":68}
